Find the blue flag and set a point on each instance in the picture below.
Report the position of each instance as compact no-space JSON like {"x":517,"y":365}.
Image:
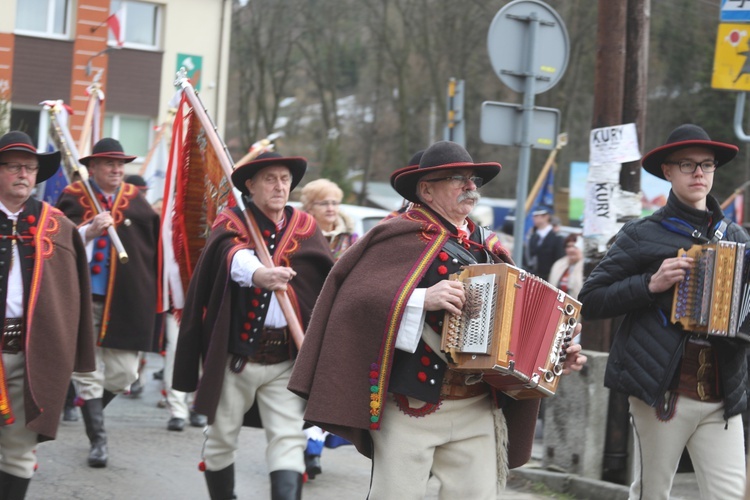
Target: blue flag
{"x":544,"y":198}
{"x":55,"y":184}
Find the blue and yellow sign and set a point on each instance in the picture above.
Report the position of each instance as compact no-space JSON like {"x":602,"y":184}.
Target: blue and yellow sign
{"x":192,"y":65}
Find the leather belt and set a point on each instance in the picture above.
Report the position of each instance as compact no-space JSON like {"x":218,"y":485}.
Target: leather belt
{"x":273,"y":348}
{"x":455,"y":387}
{"x":698,"y":373}
{"x":12,"y":341}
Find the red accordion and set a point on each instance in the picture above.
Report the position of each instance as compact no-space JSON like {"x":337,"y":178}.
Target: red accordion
{"x":513,"y":330}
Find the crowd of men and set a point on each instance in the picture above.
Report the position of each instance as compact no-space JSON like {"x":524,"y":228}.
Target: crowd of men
{"x":277,"y":332}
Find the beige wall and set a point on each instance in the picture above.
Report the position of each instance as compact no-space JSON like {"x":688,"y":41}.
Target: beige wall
{"x":202,"y":28}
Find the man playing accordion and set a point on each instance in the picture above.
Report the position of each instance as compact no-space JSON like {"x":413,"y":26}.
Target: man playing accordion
{"x":368,"y":365}
{"x":684,"y":389}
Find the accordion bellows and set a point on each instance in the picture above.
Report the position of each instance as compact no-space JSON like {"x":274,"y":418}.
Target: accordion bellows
{"x":714,"y":299}
{"x":513,"y":330}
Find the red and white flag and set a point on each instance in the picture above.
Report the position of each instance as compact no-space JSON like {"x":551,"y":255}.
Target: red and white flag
{"x":113,"y":21}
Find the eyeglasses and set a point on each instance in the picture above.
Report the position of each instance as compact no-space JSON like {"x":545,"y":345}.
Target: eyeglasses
{"x":15,"y":168}
{"x":327,"y":203}
{"x":688,"y":167}
{"x":459,"y":180}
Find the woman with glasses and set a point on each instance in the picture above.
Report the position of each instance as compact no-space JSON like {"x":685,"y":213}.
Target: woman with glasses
{"x":321,"y":199}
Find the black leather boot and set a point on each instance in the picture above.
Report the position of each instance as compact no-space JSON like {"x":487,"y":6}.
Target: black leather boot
{"x":286,"y":485}
{"x":13,"y":487}
{"x":93,"y":417}
{"x":221,"y":483}
{"x":107,"y":397}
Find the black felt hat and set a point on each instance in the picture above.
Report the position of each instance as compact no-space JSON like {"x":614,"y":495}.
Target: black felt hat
{"x":296,"y":165}
{"x":413,"y":163}
{"x":443,"y":155}
{"x":107,"y":148}
{"x":686,"y":136}
{"x":16,"y":140}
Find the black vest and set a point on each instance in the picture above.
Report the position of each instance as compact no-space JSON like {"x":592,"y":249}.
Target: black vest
{"x":250,"y":304}
{"x":26,"y":228}
{"x":420,"y":375}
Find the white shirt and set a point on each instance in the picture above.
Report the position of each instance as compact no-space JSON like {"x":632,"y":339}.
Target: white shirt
{"x":244,"y":265}
{"x":14,"y":299}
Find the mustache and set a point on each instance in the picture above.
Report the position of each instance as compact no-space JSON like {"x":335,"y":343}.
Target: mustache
{"x":469,"y":195}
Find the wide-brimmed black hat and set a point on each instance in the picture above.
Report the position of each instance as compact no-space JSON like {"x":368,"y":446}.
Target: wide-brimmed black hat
{"x":686,"y":136}
{"x":296,"y":165}
{"x":16,"y":140}
{"x":443,"y":155}
{"x":413,"y":163}
{"x":107,"y":148}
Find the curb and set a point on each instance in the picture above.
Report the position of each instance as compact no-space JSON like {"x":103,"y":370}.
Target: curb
{"x":579,"y":487}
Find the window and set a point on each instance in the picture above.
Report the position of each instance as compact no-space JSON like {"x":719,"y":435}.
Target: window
{"x":133,"y":132}
{"x":140,"y":23}
{"x":47,"y":17}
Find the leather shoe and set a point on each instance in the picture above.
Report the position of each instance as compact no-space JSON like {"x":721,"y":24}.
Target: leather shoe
{"x":312,"y":466}
{"x":198,"y":420}
{"x":176,"y":424}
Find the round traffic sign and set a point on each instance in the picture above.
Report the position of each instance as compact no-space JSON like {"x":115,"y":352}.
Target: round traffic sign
{"x":508,"y":45}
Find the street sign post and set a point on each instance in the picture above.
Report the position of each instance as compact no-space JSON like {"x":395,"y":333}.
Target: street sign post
{"x":528,"y":48}
{"x":501,"y":124}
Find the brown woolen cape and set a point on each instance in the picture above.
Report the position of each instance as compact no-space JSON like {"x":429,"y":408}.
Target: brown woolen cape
{"x":130,"y":307}
{"x":352,"y":334}
{"x":59,"y":331}
{"x":204,"y":329}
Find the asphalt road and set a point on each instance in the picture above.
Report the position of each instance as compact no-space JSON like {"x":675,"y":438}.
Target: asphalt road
{"x":148,"y":462}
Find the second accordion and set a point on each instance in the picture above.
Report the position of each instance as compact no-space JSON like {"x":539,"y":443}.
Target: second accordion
{"x":714,"y":298}
{"x":513,"y":330}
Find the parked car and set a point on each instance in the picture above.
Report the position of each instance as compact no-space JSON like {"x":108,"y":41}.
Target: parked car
{"x":364,"y":217}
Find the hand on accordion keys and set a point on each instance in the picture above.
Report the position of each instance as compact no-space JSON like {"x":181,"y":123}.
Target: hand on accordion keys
{"x":574,"y":360}
{"x":671,"y":271}
{"x":446,"y":294}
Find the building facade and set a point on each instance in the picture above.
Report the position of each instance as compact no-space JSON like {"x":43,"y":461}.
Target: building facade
{"x":53,"y":49}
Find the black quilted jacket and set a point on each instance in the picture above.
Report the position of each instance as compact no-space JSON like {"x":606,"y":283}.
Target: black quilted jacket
{"x":647,"y":347}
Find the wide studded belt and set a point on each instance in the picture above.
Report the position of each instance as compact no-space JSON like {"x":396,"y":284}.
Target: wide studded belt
{"x":12,"y":341}
{"x":455,"y":386}
{"x":273,"y":348}
{"x":698,"y":373}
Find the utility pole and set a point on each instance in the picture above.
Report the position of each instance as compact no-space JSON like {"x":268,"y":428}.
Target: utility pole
{"x":619,"y":98}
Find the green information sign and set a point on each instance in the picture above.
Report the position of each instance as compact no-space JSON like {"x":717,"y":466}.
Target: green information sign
{"x":193,"y":65}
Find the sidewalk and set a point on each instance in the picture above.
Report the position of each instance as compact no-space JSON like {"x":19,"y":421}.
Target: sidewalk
{"x":532,"y":477}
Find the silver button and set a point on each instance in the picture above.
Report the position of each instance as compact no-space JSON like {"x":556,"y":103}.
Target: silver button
{"x":435,"y":367}
{"x":455,"y":261}
{"x":432,"y":381}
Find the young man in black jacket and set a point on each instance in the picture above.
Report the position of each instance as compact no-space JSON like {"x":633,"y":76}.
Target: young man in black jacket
{"x":684,"y":389}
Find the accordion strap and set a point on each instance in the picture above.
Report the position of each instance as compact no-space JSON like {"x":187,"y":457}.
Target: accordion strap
{"x":455,"y":250}
{"x":679,"y":226}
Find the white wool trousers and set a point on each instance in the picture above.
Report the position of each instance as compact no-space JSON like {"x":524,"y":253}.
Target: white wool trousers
{"x":116,"y":369}
{"x":17,"y":443}
{"x":280,"y":410}
{"x":716,"y":449}
{"x":456,"y":443}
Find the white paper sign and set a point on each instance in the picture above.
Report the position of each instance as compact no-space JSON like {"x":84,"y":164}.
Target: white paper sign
{"x":599,"y":211}
{"x":607,"y":172}
{"x":616,"y":144}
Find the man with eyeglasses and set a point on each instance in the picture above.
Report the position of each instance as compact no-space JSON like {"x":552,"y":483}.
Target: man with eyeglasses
{"x":685,"y":389}
{"x":123,"y":294}
{"x":233,"y":327}
{"x":371,"y":366}
{"x":44,"y":292}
